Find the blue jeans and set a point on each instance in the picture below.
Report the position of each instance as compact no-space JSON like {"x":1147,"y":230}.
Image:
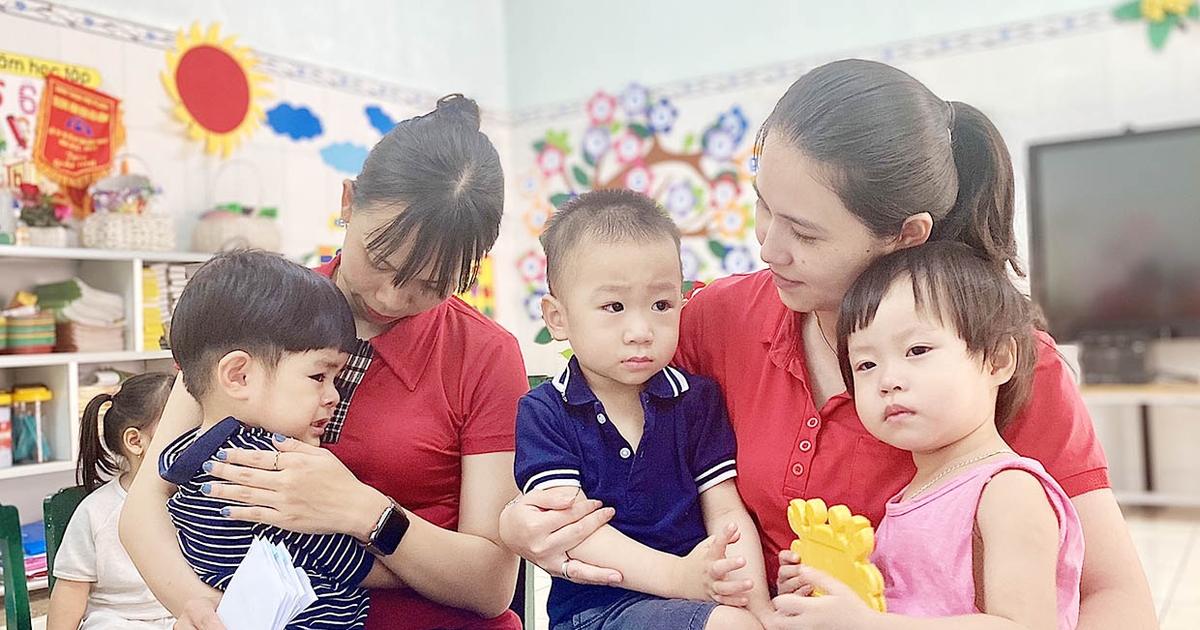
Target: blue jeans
{"x":638,"y":611}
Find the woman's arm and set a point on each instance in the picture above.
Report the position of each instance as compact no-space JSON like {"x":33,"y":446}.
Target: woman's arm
{"x":146,"y":529}
{"x":469,"y":568}
{"x":1056,"y":429}
{"x":68,"y":602}
{"x":1114,"y":593}
{"x":314,"y":492}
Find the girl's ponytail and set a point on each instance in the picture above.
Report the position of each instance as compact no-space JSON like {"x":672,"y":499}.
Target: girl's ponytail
{"x":138,"y":404}
{"x":93,"y":456}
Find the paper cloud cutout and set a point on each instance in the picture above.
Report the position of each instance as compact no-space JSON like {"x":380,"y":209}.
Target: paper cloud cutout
{"x":379,"y":119}
{"x":345,"y":157}
{"x":296,"y":122}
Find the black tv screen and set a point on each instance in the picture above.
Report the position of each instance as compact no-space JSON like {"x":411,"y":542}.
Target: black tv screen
{"x":1115,"y":234}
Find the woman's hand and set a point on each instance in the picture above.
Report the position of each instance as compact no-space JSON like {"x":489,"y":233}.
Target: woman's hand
{"x":302,"y":488}
{"x":543,"y":525}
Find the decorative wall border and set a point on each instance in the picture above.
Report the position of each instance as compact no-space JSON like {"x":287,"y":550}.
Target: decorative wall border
{"x":272,"y":65}
{"x":958,"y":43}
{"x":962,"y":42}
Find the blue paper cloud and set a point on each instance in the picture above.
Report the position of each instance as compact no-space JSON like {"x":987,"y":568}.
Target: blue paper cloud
{"x":345,"y":157}
{"x":296,"y":122}
{"x":379,"y":119}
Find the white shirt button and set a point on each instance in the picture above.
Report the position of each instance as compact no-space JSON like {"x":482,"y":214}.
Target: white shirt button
{"x":600,"y":418}
{"x":805,"y":445}
{"x":812,"y":423}
{"x":625,"y":453}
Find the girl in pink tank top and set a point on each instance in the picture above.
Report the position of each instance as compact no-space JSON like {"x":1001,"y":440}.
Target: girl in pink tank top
{"x":939,"y":346}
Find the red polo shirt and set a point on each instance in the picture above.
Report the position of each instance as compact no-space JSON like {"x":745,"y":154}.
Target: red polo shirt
{"x":442,"y":384}
{"x":738,"y":332}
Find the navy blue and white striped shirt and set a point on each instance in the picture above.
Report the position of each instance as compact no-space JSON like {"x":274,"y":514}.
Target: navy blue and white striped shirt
{"x":214,"y":545}
{"x":564,"y":438}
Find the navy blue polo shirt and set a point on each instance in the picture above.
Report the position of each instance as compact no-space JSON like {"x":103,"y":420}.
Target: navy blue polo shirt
{"x":214,"y":545}
{"x":564,"y":438}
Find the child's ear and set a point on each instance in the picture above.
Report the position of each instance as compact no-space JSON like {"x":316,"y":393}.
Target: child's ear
{"x":555,"y":316}
{"x":134,"y":442}
{"x":235,"y":374}
{"x":1003,"y":362}
{"x":347,"y":199}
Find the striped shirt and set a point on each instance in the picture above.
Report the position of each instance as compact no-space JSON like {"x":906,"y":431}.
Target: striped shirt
{"x":335,"y":563}
{"x":564,"y":438}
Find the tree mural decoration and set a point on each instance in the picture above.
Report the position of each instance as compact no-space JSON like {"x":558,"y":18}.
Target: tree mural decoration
{"x":632,"y":140}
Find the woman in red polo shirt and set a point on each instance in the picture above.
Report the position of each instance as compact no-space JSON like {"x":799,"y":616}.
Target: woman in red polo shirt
{"x":858,"y":159}
{"x":424,"y":432}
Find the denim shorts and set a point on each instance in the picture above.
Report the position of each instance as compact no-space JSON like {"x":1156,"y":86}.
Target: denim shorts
{"x":638,"y":611}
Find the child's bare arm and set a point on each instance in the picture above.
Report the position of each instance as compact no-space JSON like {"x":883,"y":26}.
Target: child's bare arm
{"x":654,"y":572}
{"x":1019,"y":533}
{"x":721,"y":506}
{"x":68,"y":602}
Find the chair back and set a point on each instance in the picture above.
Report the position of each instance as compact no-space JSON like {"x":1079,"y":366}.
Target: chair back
{"x":58,"y":509}
{"x":12,"y":558}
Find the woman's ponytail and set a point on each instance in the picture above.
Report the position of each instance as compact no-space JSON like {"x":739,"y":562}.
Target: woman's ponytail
{"x":982,"y":215}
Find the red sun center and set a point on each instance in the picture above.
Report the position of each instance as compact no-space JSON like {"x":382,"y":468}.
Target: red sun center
{"x":213,"y":88}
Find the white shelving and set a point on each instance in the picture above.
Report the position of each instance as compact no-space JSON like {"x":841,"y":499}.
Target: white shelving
{"x":1144,"y":398}
{"x":1183,"y":394}
{"x":120,"y":272}
{"x":63,"y":358}
{"x":45,"y":468}
{"x":81,"y":253}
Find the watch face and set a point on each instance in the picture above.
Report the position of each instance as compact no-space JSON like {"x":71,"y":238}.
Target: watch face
{"x":395,"y":524}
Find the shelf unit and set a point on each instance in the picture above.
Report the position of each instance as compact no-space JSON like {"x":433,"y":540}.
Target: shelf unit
{"x":1144,"y":397}
{"x":118,"y":272}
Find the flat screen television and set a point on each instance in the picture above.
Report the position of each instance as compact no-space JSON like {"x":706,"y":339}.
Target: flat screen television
{"x":1115,"y":234}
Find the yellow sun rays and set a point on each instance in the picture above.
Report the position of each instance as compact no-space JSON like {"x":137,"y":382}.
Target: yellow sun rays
{"x":215,"y":88}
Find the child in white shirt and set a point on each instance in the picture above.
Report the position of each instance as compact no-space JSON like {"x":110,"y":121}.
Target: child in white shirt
{"x":96,"y":584}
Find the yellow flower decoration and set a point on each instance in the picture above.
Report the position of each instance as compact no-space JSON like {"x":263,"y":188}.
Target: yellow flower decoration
{"x":1157,"y":10}
{"x":1162,"y":16}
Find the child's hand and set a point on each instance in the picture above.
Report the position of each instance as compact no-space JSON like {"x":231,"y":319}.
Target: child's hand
{"x":200,"y":614}
{"x":837,"y":608}
{"x":703,"y":574}
{"x":789,"y":580}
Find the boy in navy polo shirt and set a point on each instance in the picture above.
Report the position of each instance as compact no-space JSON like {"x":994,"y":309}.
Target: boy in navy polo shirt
{"x":259,"y":341}
{"x":646,"y":439}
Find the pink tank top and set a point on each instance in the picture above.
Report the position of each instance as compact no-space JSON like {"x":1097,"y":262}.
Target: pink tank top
{"x":923,"y":546}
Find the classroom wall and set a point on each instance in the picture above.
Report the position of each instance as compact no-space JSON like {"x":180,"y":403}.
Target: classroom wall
{"x":1042,"y":71}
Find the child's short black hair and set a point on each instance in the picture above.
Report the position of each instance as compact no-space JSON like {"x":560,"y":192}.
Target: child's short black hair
{"x":958,"y":287}
{"x":606,"y":216}
{"x":260,"y":303}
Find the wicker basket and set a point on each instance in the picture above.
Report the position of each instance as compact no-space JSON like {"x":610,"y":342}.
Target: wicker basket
{"x":221,"y":230}
{"x":140,"y":232}
{"x":234,"y":225}
{"x":121,"y":217}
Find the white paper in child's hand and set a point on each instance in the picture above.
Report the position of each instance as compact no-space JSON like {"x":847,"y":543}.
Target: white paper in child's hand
{"x":266,"y":591}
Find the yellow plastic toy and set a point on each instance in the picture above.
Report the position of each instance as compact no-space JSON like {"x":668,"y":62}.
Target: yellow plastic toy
{"x":838,"y":543}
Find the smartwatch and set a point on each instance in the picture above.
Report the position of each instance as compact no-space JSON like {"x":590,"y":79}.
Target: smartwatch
{"x":388,"y":531}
